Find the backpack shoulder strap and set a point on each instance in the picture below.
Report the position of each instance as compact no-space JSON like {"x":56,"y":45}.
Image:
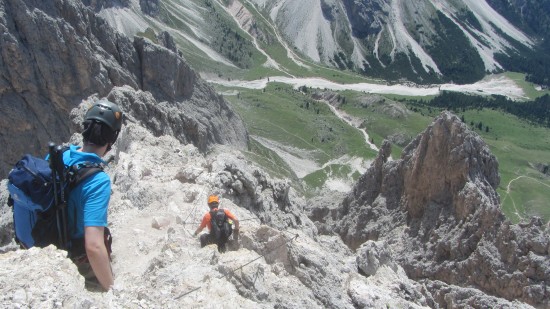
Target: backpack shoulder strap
{"x":212,"y":215}
{"x":81,"y":171}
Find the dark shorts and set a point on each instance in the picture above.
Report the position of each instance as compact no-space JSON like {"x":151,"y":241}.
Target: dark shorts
{"x":208,"y":239}
{"x":79,"y":258}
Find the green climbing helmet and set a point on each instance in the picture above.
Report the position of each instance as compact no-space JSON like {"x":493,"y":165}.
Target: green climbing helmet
{"x":107,"y":112}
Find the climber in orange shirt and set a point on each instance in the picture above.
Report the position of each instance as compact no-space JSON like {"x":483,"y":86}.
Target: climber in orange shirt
{"x":219,"y":223}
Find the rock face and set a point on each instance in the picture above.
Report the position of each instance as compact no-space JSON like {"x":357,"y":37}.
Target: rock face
{"x":54,"y":54}
{"x":438,"y":210}
{"x":273,"y":201}
{"x":543,"y":168}
{"x":366,"y":17}
{"x":46,"y":268}
{"x":165,"y":39}
{"x":150,"y":7}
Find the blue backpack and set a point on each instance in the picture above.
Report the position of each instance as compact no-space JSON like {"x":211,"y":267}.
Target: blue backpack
{"x":38,"y":190}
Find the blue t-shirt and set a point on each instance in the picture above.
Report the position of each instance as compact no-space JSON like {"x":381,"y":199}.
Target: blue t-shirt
{"x":88,"y":202}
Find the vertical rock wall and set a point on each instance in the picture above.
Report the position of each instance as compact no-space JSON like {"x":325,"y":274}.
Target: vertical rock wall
{"x":54,"y":54}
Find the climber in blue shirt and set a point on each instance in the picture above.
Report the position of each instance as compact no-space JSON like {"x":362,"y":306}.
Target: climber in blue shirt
{"x":88,"y":202}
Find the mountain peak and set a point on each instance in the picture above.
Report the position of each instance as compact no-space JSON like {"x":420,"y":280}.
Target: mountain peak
{"x":438,"y":210}
{"x":455,"y":166}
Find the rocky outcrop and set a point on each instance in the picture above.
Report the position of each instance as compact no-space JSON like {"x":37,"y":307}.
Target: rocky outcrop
{"x":438,"y":210}
{"x":165,"y":39}
{"x":190,"y":121}
{"x":366,"y":17}
{"x":150,"y":7}
{"x":273,"y":201}
{"x":56,"y":53}
{"x":544,"y":168}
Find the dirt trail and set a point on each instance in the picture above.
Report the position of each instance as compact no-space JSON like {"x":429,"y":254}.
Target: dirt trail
{"x":349,"y":120}
{"x":508,"y":187}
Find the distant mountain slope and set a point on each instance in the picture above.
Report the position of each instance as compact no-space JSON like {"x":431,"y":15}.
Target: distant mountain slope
{"x":533,"y":17}
{"x":422,"y":41}
{"x":425,"y":41}
{"x":204,"y":32}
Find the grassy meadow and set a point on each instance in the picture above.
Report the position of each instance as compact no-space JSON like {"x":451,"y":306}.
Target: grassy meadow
{"x":291,"y":118}
{"x":301,"y":127}
{"x":518,"y":146}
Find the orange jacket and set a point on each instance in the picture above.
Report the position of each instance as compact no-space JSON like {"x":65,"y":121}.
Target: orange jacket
{"x":206,"y":219}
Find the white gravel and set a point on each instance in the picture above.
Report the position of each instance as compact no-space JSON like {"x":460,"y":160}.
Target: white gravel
{"x":493,"y":84}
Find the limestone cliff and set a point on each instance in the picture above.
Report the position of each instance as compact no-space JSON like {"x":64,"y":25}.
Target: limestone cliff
{"x":55,"y":54}
{"x":159,"y":190}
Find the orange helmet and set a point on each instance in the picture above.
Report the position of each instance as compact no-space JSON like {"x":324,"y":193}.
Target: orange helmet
{"x":213,"y":199}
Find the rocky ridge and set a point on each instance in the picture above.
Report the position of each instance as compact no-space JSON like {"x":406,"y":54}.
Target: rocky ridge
{"x":438,"y":211}
{"x":159,"y":190}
